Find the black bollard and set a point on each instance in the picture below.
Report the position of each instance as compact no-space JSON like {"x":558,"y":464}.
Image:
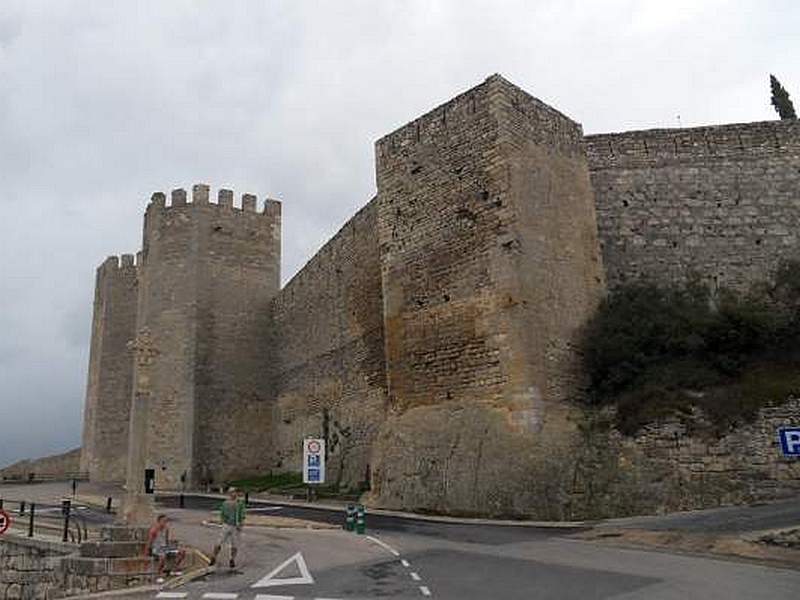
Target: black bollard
{"x":22,"y":508}
{"x":181,"y":502}
{"x":65,"y":509}
{"x":108,"y":504}
{"x":30,"y":521}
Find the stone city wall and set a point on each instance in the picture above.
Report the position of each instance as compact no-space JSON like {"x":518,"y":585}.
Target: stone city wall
{"x":327,"y":366}
{"x":722,"y":202}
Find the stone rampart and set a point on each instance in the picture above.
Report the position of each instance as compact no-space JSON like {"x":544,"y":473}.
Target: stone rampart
{"x":720,"y":202}
{"x":328,"y":367}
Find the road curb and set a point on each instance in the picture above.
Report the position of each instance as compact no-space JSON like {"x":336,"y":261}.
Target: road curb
{"x":404,"y":515}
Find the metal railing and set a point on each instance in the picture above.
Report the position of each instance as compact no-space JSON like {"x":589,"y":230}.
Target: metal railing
{"x":57,"y":519}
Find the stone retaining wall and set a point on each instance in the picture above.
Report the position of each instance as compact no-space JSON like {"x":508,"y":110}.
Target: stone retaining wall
{"x":35,"y":569}
{"x":681,"y":465}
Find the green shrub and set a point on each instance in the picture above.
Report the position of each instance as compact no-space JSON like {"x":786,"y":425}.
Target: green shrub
{"x":653,"y":350}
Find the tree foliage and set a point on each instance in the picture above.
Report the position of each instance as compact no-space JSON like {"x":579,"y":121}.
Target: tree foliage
{"x":780,"y":99}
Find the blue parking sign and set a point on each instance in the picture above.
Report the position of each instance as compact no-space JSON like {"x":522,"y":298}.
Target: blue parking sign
{"x":313,"y":475}
{"x":790,"y":440}
{"x":314,"y":460}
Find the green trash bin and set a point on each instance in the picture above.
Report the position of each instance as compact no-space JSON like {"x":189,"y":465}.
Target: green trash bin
{"x":361,"y":519}
{"x":350,"y":518}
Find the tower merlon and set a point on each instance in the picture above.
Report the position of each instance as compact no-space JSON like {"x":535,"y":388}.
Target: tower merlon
{"x":158,"y":199}
{"x":249,"y":202}
{"x":272,"y":207}
{"x":225,"y":198}
{"x":179,"y":197}
{"x":200,"y":193}
{"x":127,"y":260}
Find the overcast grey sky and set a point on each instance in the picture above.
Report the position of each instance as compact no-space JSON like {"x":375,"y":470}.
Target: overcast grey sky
{"x":102,"y":103}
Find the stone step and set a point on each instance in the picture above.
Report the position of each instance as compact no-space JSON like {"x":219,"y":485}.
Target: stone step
{"x":81,"y":565}
{"x":122,"y":533}
{"x":113,"y":549}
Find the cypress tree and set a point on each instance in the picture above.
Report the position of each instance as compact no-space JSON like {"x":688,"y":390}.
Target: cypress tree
{"x":780,"y":99}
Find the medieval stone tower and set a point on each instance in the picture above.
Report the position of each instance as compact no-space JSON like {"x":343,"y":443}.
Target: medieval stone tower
{"x":108,"y":389}
{"x":206,"y":274}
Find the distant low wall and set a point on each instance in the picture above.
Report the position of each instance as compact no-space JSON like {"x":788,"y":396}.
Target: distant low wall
{"x":54,"y":466}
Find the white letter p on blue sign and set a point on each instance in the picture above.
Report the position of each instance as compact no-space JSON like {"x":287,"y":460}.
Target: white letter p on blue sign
{"x":790,"y":440}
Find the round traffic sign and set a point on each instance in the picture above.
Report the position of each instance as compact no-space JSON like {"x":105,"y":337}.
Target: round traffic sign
{"x":5,"y":521}
{"x":314,"y":447}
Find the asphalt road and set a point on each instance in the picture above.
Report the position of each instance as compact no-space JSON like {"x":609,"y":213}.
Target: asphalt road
{"x":405,"y":558}
{"x":728,"y":519}
{"x":408,"y":558}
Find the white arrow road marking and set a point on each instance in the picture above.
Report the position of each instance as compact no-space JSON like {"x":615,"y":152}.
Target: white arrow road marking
{"x":404,"y":562}
{"x":220,"y":596}
{"x":425,"y":591}
{"x":172,"y":595}
{"x":305,"y":576}
{"x":415,"y":577}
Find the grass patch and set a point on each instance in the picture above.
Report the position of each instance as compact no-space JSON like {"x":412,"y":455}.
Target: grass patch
{"x":273,"y":481}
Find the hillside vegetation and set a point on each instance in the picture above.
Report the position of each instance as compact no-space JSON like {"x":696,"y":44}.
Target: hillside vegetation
{"x":654,"y":351}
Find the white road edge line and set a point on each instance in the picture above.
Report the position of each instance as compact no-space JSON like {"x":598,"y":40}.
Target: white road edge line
{"x":383,"y":545}
{"x":415,"y":577}
{"x":271,"y":597}
{"x":425,"y":591}
{"x":220,"y":596}
{"x":404,"y":562}
{"x":172,"y":595}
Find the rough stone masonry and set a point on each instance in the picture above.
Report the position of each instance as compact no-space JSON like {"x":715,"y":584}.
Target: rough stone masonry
{"x":432,"y":340}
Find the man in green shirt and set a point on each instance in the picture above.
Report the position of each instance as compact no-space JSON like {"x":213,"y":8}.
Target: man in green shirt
{"x":231,"y":514}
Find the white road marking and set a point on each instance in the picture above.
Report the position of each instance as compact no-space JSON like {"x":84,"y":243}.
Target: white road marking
{"x":404,"y":562}
{"x":425,"y":591}
{"x":305,"y":575}
{"x":212,"y":524}
{"x":220,"y":596}
{"x":383,"y":545}
{"x":271,"y":597}
{"x":172,"y":595}
{"x":415,"y":577}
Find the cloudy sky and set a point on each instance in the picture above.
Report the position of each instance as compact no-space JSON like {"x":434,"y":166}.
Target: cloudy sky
{"x":102,"y":103}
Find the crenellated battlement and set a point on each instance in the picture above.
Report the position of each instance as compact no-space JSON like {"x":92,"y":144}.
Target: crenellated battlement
{"x":201,"y":197}
{"x":123,"y":262}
